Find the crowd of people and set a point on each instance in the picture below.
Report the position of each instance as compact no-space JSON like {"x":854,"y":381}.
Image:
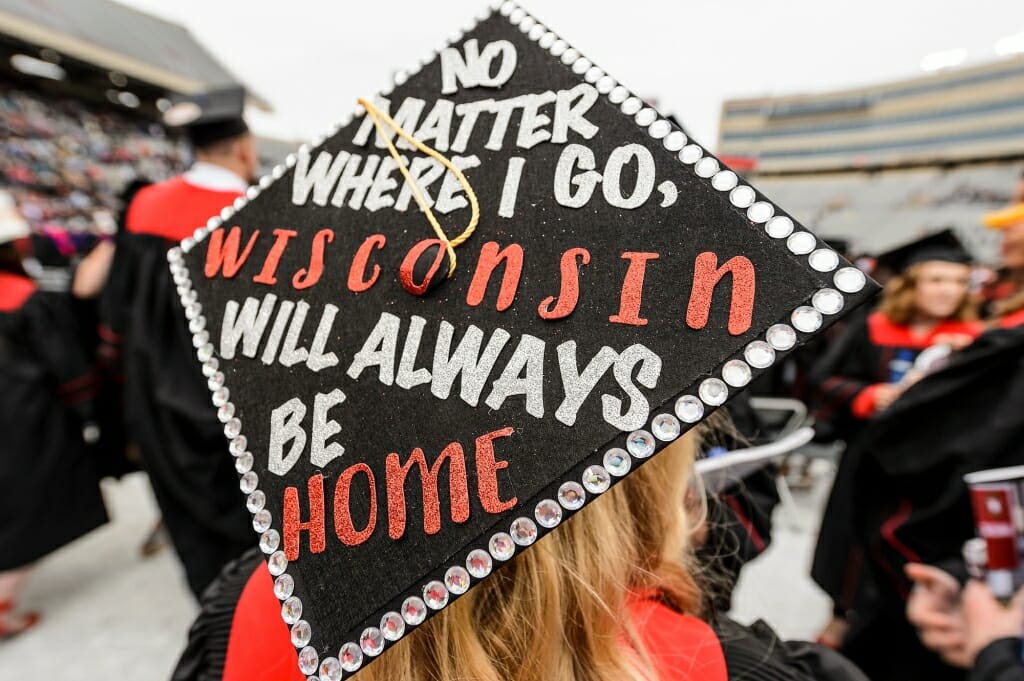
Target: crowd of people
{"x":923,"y":387}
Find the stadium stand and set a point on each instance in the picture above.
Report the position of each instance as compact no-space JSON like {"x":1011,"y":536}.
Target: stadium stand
{"x":881,"y":164}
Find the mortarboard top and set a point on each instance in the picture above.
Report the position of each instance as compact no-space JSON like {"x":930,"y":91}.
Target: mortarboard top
{"x":942,"y":246}
{"x":1007,"y":217}
{"x":209,"y":117}
{"x":398,"y":441}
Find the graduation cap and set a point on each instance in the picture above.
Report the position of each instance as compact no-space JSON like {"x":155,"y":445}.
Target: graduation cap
{"x":413,"y":397}
{"x":209,"y":117}
{"x":941,"y":246}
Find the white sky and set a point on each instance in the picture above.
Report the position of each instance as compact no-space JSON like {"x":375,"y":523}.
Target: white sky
{"x":313,"y":58}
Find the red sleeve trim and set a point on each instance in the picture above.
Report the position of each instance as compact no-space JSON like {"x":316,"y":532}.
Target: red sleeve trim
{"x":260,"y":648}
{"x":863,"y":405}
{"x":681,"y":647}
{"x":14,"y":291}
{"x":1012,"y":320}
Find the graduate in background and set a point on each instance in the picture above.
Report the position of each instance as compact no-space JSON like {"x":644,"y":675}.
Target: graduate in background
{"x":49,"y":486}
{"x":1008,"y":303}
{"x":168,"y":413}
{"x":926,"y":304}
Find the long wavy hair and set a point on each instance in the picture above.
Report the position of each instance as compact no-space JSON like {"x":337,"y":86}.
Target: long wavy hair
{"x":560,"y":611}
{"x":898,"y":299}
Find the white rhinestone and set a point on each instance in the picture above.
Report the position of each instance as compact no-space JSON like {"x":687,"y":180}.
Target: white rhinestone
{"x":261,"y":520}
{"x":507,"y":8}
{"x":284,"y":585}
{"x":232,"y":428}
{"x":277,"y":563}
{"x":593,"y":74}
{"x":523,"y":531}
{"x":736,"y":373}
{"x":269,"y":541}
{"x":227,"y":212}
{"x":220,"y":396}
{"x":501,"y":546}
{"x":372,"y":641}
{"x":456,"y":578}
{"x":596,"y":479}
{"x":570,"y":55}
{"x":706,"y":167}
{"x":243,"y":463}
{"x":605,"y":84}
{"x":547,"y":40}
{"x":631,"y":106}
{"x":759,"y":354}
{"x":516,"y":16}
{"x":210,"y":367}
{"x":659,"y":129}
{"x":849,"y":280}
{"x":536,"y":31}
{"x":435,"y":595}
{"x":204,"y":353}
{"x":724,"y":180}
{"x":617,"y":461}
{"x":571,"y":495}
{"x":174,"y":255}
{"x":199,"y":234}
{"x":806,"y":319}
{"x":479,"y":563}
{"x":581,"y":66}
{"x":640,"y":444}
{"x":301,"y":633}
{"x":238,"y":445}
{"x":197,"y":324}
{"x":291,"y":610}
{"x":252,"y":192}
{"x":548,"y":513}
{"x":526,"y":24}
{"x":248,"y":482}
{"x":558,"y":48}
{"x":266,"y":181}
{"x":256,"y":501}
{"x":200,"y":339}
{"x":760,"y":212}
{"x":192,"y":311}
{"x":781,"y":337}
{"x":801,"y":243}
{"x":691,"y":153}
{"x":189,"y":297}
{"x":713,"y":391}
{"x":618,"y":95}
{"x":823,"y":260}
{"x":402,"y":76}
{"x":188,"y":243}
{"x":277,"y":172}
{"x":675,"y":140}
{"x":330,"y":669}
{"x":665,"y":427}
{"x":827,"y":301}
{"x":392,"y":626}
{"x":226,"y":411}
{"x":742,"y":196}
{"x":645,"y":117}
{"x":309,"y":660}
{"x":689,"y":409}
{"x":351,"y":657}
{"x":414,"y":610}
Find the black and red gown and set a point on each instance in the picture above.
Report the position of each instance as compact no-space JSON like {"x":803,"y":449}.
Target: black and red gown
{"x":167,"y":402}
{"x":871,"y":353}
{"x":49,"y":485}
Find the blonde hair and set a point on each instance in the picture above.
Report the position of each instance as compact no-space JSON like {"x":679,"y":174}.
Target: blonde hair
{"x":898,"y":299}
{"x":559,"y":611}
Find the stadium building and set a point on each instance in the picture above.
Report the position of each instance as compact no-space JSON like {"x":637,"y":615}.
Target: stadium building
{"x":878,"y":165}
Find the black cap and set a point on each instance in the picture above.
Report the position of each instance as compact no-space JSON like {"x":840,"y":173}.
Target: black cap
{"x":209,"y":117}
{"x":941,"y":246}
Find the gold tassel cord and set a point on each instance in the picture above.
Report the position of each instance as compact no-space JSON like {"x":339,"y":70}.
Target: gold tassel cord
{"x":380,"y":119}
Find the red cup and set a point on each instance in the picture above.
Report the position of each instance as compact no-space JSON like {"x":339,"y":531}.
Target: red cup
{"x":996,"y":497}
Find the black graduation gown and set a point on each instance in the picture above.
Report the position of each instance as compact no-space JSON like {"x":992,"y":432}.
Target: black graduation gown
{"x":170,"y":417}
{"x":866,"y":354}
{"x":909,"y":501}
{"x":49,"y":487}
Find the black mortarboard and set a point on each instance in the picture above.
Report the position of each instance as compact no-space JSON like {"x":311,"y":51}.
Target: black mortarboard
{"x":942,"y":246}
{"x":398,"y":441}
{"x":209,"y":117}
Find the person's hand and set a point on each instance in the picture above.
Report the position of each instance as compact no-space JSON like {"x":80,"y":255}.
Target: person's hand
{"x":957,"y":341}
{"x":886,"y":394}
{"x":934,"y":610}
{"x":987,"y":619}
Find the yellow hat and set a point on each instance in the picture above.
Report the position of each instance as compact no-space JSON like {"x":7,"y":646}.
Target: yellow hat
{"x":1001,"y":219}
